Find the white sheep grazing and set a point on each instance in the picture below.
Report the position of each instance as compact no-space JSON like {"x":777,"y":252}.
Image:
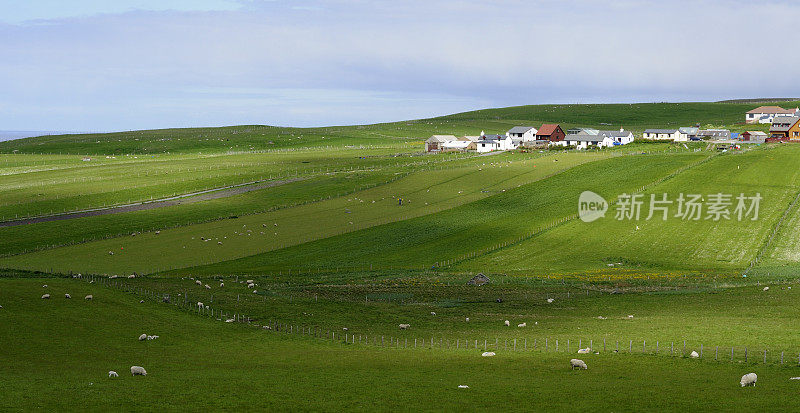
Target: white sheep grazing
{"x":404,"y":326}
{"x":138,"y":371}
{"x":550,"y":300}
{"x":507,"y":323}
{"x":250,"y":285}
{"x":586,"y":350}
{"x":250,"y":281}
{"x":44,"y":286}
{"x":694,"y":355}
{"x":208,"y":287}
{"x":200,"y":304}
{"x":468,"y":319}
{"x":463,"y":386}
{"x":46,"y":297}
{"x":112,"y":373}
{"x":132,"y":276}
{"x":432,"y":313}
{"x":221,"y":285}
{"x":143,"y":337}
{"x":522,"y":325}
{"x":230,"y":320}
{"x":577,"y":363}
{"x":630,"y":316}
{"x":198,"y":282}
{"x":766,"y":288}
{"x":488,"y":354}
{"x":152,"y":337}
{"x":88,"y":297}
{"x":748,"y":379}
{"x":67,"y":296}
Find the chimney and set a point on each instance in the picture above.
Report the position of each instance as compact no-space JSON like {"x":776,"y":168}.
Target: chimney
{"x":621,"y":129}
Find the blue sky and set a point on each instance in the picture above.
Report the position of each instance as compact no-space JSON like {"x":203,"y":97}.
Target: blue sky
{"x":118,"y":65}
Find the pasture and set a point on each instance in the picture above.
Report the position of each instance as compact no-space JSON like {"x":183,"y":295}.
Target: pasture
{"x":356,"y":231}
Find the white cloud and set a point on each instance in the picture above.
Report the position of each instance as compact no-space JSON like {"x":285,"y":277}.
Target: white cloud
{"x":430,"y":57}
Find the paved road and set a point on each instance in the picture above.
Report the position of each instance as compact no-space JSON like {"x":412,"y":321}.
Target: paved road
{"x":190,"y":198}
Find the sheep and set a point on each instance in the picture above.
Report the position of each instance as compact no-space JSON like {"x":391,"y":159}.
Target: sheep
{"x":488,"y":354}
{"x":507,"y":323}
{"x":255,"y":292}
{"x":221,"y":285}
{"x":468,"y":319}
{"x":586,"y":350}
{"x":113,"y":277}
{"x":230,"y":320}
{"x":250,"y":281}
{"x":132,"y":276}
{"x":143,"y":337}
{"x":463,"y":386}
{"x":748,"y":379}
{"x":152,"y":337}
{"x":200,"y":304}
{"x":433,"y":313}
{"x":112,"y":373}
{"x":67,"y":296}
{"x":198,"y":282}
{"x":694,"y":355}
{"x":141,"y":301}
{"x":404,"y":326}
{"x":522,"y":325}
{"x":138,"y":371}
{"x":208,"y":287}
{"x":600,"y":317}
{"x":88,"y":297}
{"x":630,"y":315}
{"x":46,"y":297}
{"x":766,"y":288}
{"x":251,"y":285}
{"x":580,"y":364}
{"x":44,"y":286}
{"x":111,"y":253}
{"x":550,"y":300}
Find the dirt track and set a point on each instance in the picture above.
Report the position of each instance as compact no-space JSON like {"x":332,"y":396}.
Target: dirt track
{"x":190,"y":198}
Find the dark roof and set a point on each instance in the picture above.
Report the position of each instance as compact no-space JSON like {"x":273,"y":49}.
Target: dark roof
{"x":783,"y":123}
{"x":547,"y":129}
{"x":520,"y":129}
{"x":492,"y":137}
{"x":585,"y":138}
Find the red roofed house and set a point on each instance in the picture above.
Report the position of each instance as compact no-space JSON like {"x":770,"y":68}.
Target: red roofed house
{"x":550,"y":132}
{"x":765,"y":114}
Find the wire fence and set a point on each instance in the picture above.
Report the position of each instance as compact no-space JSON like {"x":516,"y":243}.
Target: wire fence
{"x":407,"y":339}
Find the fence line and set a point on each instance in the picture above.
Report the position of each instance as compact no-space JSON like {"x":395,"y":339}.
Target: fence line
{"x":517,"y":344}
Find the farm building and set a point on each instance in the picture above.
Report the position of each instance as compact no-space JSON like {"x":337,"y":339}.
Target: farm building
{"x":765,"y":114}
{"x":665,"y":135}
{"x":550,"y":132}
{"x":785,"y":127}
{"x":434,"y":143}
{"x":690,"y":132}
{"x":456,"y":145}
{"x":521,"y":135}
{"x":714,"y":134}
{"x":585,"y":131}
{"x":754,"y":136}
{"x":473,"y":142}
{"x":489,"y":143}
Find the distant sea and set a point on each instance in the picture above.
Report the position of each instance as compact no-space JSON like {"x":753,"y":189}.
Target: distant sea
{"x":7,"y":135}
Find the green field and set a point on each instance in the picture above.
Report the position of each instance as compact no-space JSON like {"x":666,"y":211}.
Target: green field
{"x":339,"y":262}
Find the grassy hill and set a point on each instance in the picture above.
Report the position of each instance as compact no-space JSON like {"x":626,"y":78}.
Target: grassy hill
{"x":405,"y":134}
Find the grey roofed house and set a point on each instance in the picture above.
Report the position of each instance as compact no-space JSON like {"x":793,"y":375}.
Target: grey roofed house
{"x":584,"y":131}
{"x":470,"y":138}
{"x":691,"y":131}
{"x":783,"y":123}
{"x":720,"y":134}
{"x":520,"y":129}
{"x":667,"y":131}
{"x":584,"y":138}
{"x":491,"y":138}
{"x":614,"y":133}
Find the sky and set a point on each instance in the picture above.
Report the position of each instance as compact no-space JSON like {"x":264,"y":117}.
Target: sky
{"x":98,"y":65}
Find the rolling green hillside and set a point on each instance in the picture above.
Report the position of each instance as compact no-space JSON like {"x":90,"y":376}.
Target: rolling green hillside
{"x":405,"y":134}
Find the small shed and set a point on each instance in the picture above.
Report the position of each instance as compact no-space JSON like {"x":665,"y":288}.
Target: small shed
{"x":479,"y":280}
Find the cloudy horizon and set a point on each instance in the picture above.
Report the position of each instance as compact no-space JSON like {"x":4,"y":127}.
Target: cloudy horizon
{"x":144,"y":64}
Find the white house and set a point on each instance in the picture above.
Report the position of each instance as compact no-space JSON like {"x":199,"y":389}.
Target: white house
{"x":522,"y":134}
{"x":620,"y":137}
{"x":665,"y":135}
{"x":765,"y":114}
{"x":489,"y":143}
{"x":581,"y":141}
